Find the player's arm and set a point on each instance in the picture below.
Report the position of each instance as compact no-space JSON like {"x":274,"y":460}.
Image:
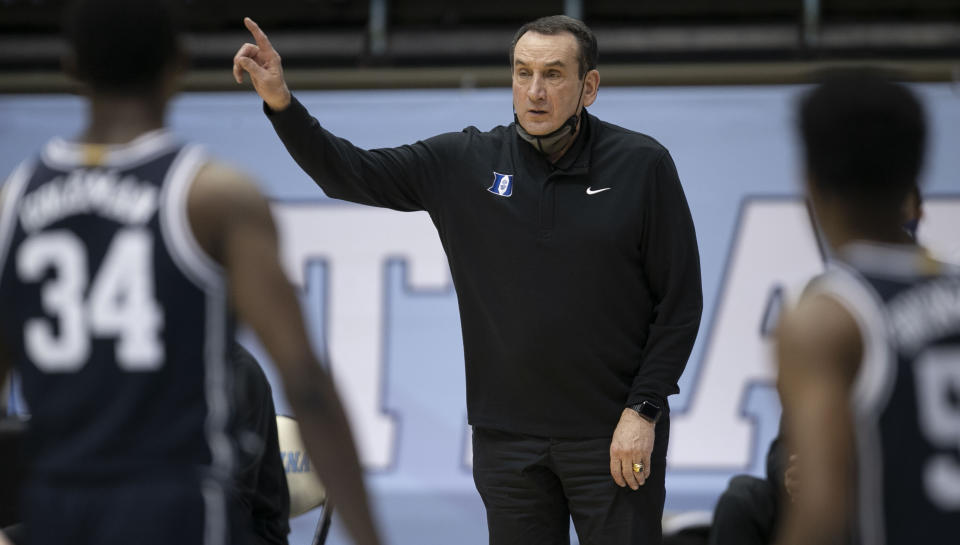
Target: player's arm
{"x":232,"y":221}
{"x":5,"y":368}
{"x":5,"y":361}
{"x":819,"y":349}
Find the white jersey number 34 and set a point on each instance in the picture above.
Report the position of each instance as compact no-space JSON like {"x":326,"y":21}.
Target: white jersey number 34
{"x":121,"y":303}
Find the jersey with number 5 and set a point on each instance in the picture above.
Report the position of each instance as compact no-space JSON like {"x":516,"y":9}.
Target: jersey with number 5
{"x":116,"y":319}
{"x":906,"y":397}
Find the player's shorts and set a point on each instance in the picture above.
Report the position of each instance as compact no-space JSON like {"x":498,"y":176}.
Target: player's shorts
{"x":154,"y":513}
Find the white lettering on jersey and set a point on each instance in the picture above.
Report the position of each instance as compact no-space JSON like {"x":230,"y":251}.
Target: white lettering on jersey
{"x":937,"y":376}
{"x":126,"y":200}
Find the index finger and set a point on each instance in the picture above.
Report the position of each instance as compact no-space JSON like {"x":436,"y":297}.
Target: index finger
{"x":258,"y":34}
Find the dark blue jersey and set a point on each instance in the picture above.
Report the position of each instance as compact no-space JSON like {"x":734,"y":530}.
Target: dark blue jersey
{"x":116,"y":319}
{"x":906,"y":396}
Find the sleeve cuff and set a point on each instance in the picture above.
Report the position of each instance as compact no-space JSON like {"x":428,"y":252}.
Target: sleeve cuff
{"x":659,"y":401}
{"x":292,"y":109}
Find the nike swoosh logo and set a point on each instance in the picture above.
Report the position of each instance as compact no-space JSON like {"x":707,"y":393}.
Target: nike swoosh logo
{"x":591,"y":191}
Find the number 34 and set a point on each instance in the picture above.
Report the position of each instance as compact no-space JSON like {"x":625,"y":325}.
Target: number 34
{"x":121,"y":303}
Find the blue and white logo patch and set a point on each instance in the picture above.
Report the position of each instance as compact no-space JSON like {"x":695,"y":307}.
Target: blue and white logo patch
{"x":502,"y":184}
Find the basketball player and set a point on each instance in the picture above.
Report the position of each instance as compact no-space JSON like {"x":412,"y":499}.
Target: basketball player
{"x":870,"y":357}
{"x":259,"y":485}
{"x":123,"y":257}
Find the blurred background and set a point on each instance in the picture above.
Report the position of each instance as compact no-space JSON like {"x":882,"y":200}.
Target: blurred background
{"x":442,"y":43}
{"x":715,"y":81}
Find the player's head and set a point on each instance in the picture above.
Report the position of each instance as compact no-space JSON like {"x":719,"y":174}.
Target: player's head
{"x":122,"y":47}
{"x":863,"y":138}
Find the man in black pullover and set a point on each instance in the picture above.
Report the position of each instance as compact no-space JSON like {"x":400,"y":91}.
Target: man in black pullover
{"x":575,"y":263}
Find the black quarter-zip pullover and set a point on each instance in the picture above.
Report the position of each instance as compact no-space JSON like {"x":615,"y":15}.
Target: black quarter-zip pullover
{"x":578,"y":281}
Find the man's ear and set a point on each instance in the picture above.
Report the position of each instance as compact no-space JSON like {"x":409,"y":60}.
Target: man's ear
{"x":591,"y":84}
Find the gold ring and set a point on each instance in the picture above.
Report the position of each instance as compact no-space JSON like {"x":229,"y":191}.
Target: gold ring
{"x":637,"y":468}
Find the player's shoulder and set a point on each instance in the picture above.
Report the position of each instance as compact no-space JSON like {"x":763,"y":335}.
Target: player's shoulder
{"x":819,"y":315}
{"x":20,"y":174}
{"x":224,"y":191}
{"x":221,"y":199}
{"x":14,"y":182}
{"x":216,"y":174}
{"x":219,"y":184}
{"x":820,"y":323}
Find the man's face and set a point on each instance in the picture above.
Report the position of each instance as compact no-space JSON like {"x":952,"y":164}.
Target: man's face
{"x":546,"y":83}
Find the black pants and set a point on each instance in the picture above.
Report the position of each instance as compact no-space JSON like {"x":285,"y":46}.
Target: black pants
{"x":746,"y":513}
{"x":531,"y":487}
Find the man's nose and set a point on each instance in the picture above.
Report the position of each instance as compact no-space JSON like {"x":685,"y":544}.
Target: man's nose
{"x":536,"y":91}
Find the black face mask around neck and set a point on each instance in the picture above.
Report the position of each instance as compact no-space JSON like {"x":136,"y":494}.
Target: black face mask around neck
{"x":553,"y":142}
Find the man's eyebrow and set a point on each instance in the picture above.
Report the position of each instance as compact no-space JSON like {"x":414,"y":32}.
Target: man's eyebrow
{"x":559,"y":63}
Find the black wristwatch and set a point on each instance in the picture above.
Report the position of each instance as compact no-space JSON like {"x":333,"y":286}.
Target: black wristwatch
{"x":649,"y":411}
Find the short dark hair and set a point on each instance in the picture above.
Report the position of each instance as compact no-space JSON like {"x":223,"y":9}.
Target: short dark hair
{"x":863,"y":137}
{"x":555,"y":24}
{"x":122,"y":45}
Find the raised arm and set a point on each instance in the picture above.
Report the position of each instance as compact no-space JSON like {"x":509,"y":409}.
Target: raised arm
{"x":233,"y":223}
{"x":404,"y":178}
{"x":818,"y":351}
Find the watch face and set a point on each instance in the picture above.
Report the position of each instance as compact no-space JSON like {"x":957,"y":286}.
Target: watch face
{"x":649,"y":410}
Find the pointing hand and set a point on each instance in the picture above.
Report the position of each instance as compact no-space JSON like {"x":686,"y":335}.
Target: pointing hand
{"x":262,"y":62}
